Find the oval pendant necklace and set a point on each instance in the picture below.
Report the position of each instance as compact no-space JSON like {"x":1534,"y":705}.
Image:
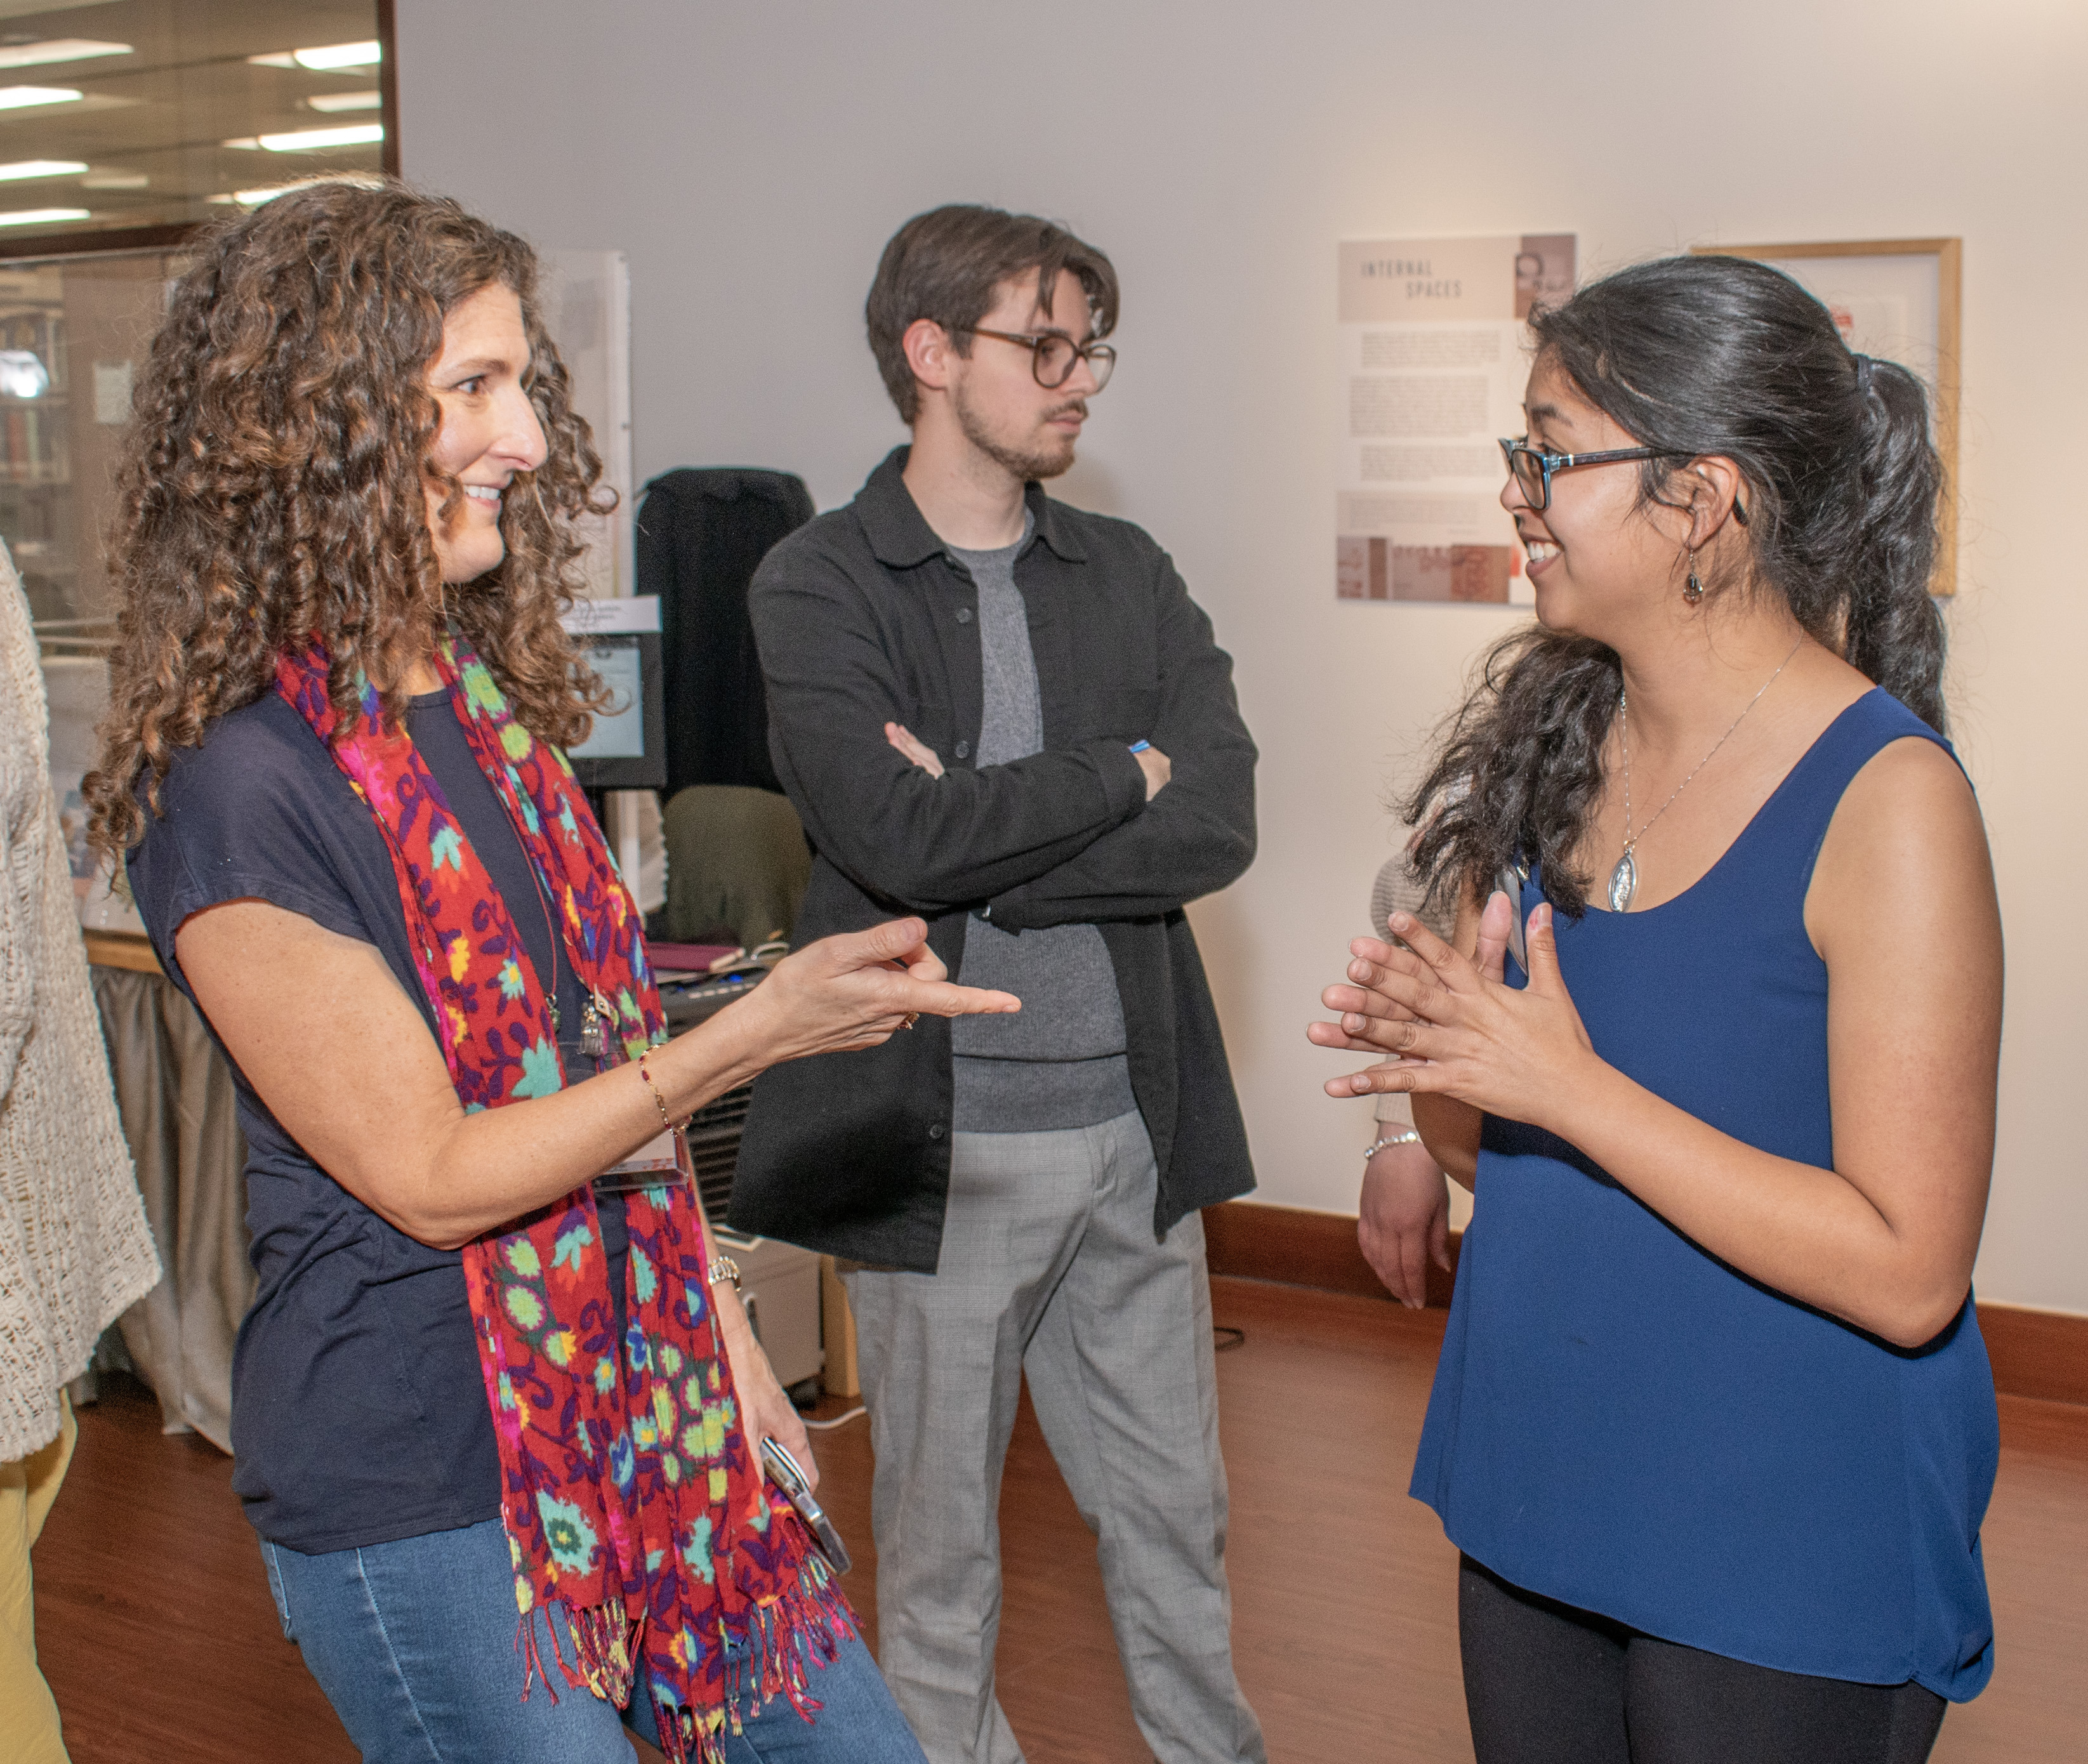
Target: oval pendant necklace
{"x":1624,"y":879}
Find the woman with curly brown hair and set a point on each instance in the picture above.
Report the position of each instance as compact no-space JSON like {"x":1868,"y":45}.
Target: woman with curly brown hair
{"x":1712,"y":1424}
{"x":496,"y":1408}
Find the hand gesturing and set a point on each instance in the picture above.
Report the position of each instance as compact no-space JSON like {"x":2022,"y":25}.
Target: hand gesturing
{"x":1450,"y":1024}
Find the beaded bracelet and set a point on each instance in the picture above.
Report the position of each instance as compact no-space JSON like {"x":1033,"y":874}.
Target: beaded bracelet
{"x":659,"y":1102}
{"x":1385,"y":1141}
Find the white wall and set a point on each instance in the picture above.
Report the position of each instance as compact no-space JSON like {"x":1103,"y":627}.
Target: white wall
{"x":752,"y":159}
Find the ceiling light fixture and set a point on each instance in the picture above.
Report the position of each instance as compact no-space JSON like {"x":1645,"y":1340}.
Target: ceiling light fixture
{"x":330,"y":102}
{"x":57,"y":48}
{"x":30,"y":217}
{"x":311,"y":140}
{"x":320,"y":60}
{"x":324,"y":59}
{"x":314,"y":140}
{"x":22,"y":169}
{"x":22,"y":97}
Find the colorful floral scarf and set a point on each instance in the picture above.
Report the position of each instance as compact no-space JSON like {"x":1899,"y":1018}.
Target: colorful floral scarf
{"x":631,"y":1499}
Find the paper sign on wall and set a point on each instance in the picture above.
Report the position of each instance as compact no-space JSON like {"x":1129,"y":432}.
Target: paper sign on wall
{"x":1433,"y":358}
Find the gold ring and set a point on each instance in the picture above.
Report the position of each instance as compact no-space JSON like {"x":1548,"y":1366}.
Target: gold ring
{"x":912,"y":1017}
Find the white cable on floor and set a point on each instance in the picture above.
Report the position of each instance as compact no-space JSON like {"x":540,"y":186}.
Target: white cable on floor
{"x":821,"y":1427}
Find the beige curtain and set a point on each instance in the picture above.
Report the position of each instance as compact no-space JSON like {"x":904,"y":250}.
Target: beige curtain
{"x":173,"y":1092}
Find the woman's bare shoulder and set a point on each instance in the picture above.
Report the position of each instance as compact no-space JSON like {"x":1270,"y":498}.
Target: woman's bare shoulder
{"x":1905,"y":851}
{"x":1913,"y":783}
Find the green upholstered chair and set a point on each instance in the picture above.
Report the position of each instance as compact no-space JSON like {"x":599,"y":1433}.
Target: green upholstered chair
{"x":737,"y":865}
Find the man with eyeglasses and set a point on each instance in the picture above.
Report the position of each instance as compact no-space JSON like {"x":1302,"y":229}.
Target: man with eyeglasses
{"x":1006,"y":715}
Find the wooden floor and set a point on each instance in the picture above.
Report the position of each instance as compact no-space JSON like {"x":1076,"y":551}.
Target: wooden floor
{"x":157,"y":1633}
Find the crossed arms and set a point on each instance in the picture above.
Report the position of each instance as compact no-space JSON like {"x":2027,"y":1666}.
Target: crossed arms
{"x":1062,"y":837}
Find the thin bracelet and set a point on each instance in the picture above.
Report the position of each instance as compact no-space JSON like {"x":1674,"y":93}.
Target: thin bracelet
{"x":659,"y":1102}
{"x":1385,"y":1141}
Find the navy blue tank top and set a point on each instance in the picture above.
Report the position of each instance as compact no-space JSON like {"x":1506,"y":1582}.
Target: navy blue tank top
{"x":1622,"y":1421}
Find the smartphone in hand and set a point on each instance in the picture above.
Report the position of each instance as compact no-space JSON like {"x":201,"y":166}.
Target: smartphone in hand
{"x":784,"y":1471}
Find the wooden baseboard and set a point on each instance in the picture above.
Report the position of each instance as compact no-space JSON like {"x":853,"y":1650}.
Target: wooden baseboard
{"x":2041,"y":1354}
{"x":1296,"y":1247}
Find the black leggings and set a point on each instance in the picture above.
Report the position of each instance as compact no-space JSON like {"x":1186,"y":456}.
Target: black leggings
{"x":1547,"y":1684}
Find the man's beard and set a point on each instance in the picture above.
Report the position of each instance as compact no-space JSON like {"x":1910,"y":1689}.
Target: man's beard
{"x":1045,"y":458}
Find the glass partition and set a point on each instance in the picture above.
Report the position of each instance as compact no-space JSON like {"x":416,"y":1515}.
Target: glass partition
{"x":119,"y":115}
{"x":73,"y":335}
{"x":124,"y":125}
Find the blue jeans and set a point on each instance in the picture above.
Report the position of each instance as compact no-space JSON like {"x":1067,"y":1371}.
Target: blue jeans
{"x":414,"y":1643}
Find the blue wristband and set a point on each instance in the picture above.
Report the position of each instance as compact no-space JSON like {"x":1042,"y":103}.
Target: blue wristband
{"x":1140,"y":747}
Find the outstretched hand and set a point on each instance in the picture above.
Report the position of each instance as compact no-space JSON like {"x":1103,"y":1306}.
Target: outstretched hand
{"x":1453,"y":1026}
{"x":856,"y":990}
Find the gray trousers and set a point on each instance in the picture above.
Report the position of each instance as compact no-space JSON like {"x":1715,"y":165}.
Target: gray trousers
{"x":1049,"y":1266}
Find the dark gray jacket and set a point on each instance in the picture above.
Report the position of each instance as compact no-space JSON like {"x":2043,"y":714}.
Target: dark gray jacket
{"x":863,"y":617}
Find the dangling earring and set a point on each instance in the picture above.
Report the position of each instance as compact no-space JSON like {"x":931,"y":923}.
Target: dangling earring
{"x":1693,"y":591}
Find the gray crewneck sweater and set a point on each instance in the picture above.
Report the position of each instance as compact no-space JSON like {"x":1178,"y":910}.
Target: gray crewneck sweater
{"x":1061,"y":1062}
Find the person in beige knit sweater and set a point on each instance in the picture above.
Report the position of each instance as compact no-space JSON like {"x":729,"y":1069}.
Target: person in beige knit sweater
{"x":74,"y":1248}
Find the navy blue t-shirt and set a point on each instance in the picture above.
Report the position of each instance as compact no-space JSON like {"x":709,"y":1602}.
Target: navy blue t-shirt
{"x":358,"y":1412}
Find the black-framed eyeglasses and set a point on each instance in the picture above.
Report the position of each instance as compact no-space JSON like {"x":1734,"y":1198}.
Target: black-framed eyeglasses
{"x":1531,"y":468}
{"x":1052,"y":355}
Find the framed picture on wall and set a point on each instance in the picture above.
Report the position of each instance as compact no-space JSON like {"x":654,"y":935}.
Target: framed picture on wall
{"x":1434,"y":339}
{"x":1900,"y":299}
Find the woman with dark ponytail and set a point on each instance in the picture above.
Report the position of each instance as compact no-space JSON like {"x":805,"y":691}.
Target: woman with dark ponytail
{"x":1713,"y":1425}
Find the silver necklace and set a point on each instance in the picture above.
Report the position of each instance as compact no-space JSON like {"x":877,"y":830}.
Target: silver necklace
{"x":1624,"y":879}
